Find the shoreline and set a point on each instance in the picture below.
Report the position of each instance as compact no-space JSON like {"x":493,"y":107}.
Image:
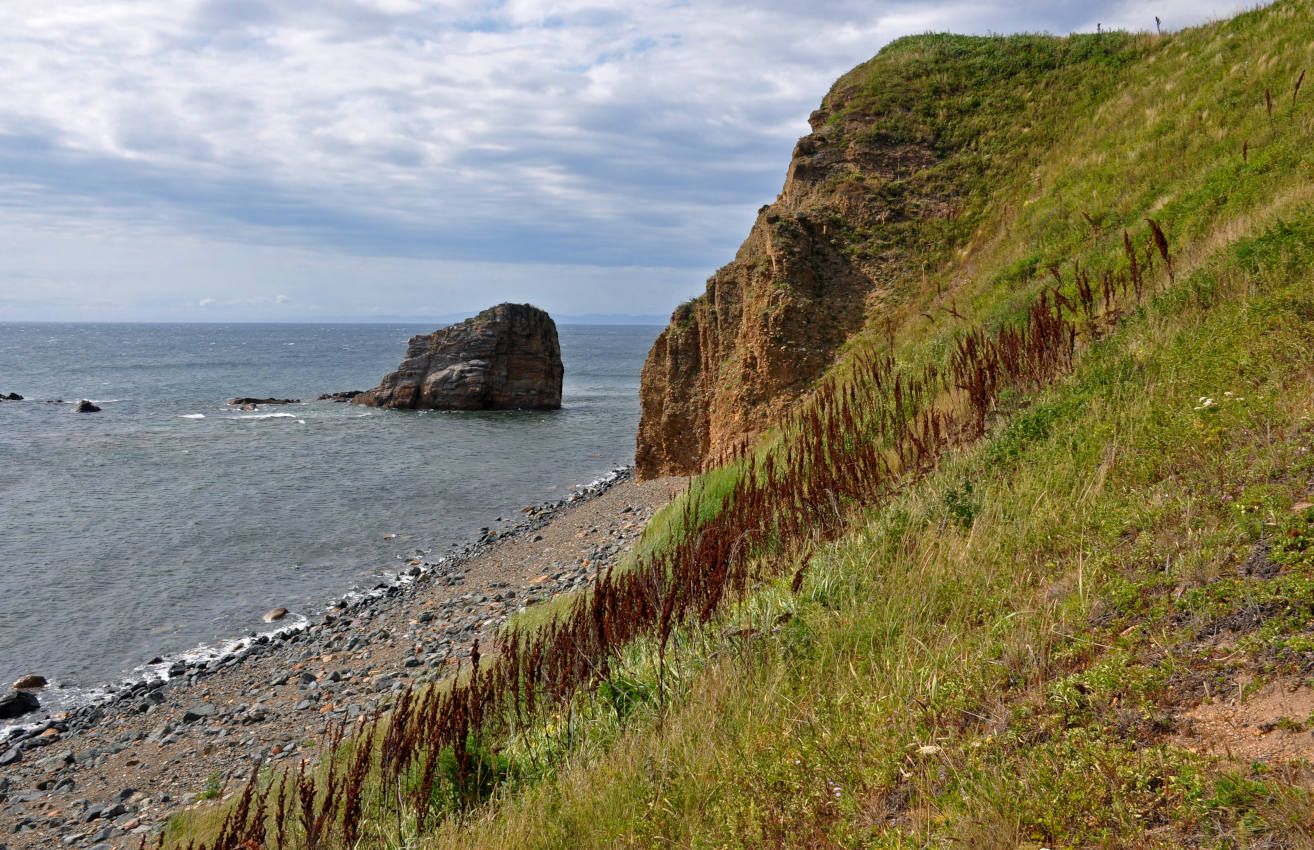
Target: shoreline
{"x":270,"y":696}
{"x":76,"y":702}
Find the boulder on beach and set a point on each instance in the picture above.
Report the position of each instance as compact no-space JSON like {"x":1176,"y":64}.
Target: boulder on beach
{"x":84,"y":406}
{"x":243,"y":401}
{"x":275,"y":614}
{"x":17,"y":703}
{"x":198,"y":712}
{"x":506,"y":358}
{"x":30,"y":682}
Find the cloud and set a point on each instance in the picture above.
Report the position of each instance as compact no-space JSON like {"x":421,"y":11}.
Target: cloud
{"x":205,"y":302}
{"x":534,"y":132}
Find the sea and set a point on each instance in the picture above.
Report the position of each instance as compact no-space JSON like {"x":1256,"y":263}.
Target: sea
{"x":171,"y":520}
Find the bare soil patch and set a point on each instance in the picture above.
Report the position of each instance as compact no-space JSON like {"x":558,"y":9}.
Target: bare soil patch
{"x":1271,"y":725}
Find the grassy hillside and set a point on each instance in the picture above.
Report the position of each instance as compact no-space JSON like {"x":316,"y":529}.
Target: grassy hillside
{"x":962,"y":600}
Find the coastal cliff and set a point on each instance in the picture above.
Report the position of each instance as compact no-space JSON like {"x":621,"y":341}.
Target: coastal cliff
{"x":814,"y":266}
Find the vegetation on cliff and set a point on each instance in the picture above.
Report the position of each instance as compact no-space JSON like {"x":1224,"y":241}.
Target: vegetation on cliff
{"x":1019,"y":567}
{"x":902,"y":170}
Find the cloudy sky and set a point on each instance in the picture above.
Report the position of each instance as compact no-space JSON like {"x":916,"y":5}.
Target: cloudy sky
{"x":301,"y":160}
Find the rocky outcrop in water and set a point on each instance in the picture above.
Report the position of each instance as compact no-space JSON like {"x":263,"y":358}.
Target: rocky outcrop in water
{"x":85,"y":406}
{"x":343,"y":395}
{"x":507,"y":357}
{"x":243,"y":401}
{"x":10,"y":397}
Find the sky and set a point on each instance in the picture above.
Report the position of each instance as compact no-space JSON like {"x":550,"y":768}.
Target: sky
{"x":363,"y":160}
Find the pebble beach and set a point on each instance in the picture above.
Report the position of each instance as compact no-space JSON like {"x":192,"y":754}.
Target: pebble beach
{"x":106,"y":774}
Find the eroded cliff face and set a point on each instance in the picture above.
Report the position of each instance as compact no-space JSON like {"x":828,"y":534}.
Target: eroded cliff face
{"x":732,"y":360}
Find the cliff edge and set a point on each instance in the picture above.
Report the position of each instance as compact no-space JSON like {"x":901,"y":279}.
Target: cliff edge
{"x":813,"y":266}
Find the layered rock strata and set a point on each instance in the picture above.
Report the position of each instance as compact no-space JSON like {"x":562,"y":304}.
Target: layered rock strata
{"x":507,"y":357}
{"x":813,"y":267}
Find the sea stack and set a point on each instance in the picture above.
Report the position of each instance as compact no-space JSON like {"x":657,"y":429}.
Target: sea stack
{"x":506,"y":358}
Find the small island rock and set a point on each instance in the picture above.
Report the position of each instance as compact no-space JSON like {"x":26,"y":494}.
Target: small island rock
{"x":243,"y":401}
{"x":506,"y":358}
{"x":84,"y":406}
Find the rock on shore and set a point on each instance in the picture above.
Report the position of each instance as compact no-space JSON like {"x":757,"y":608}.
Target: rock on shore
{"x":507,"y":357}
{"x":16,"y":704}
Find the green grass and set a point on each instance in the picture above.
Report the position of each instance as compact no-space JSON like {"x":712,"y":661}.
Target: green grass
{"x":1003,"y":679}
{"x":1000,"y":654}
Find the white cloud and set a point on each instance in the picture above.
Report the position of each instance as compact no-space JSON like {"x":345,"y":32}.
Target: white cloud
{"x":205,"y":302}
{"x":538,"y":132}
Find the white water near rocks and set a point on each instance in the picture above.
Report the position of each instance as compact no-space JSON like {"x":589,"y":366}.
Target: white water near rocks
{"x":170,"y":520}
